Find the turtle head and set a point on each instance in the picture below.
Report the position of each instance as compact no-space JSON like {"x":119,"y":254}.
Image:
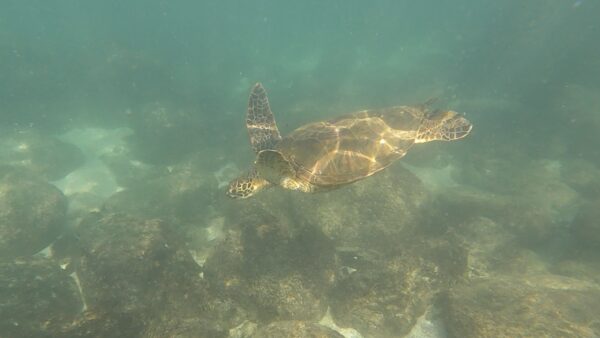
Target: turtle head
{"x":246,"y":185}
{"x":445,"y":125}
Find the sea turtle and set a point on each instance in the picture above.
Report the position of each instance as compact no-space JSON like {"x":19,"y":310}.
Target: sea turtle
{"x":326,"y":155}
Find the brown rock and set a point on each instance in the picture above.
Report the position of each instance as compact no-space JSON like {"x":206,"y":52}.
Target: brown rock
{"x":32,"y":213}
{"x":532,"y":306}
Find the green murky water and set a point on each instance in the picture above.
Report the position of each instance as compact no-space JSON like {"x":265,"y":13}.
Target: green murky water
{"x":121,"y":124}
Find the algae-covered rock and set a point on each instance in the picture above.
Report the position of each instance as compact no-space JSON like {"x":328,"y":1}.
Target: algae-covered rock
{"x":104,"y":324}
{"x":192,"y":327}
{"x":125,"y":259}
{"x":372,"y":212}
{"x":534,"y":216}
{"x":165,"y":133}
{"x":531,"y":306}
{"x":275,"y":272}
{"x":586,"y":226}
{"x":140,"y":270}
{"x":295,"y":329}
{"x":488,"y":244}
{"x":384,"y":295}
{"x":375,"y":211}
{"x":583,"y":176}
{"x":184,"y":193}
{"x":39,"y":299}
{"x":288,"y":297}
{"x":296,"y":254}
{"x":39,"y":154}
{"x":32,"y":213}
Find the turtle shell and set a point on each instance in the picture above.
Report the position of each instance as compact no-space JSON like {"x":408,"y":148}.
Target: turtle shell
{"x":351,"y":147}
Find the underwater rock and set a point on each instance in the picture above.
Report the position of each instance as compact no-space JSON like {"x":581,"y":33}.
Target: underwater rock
{"x":141,"y":270}
{"x":39,"y":299}
{"x":103,"y":324}
{"x":586,"y":226}
{"x":347,"y":332}
{"x":244,"y":330}
{"x":546,"y":206}
{"x":492,"y":249}
{"x":92,"y":183}
{"x":535,"y":215}
{"x":275,"y":272}
{"x":184,"y":328}
{"x":32,"y":213}
{"x":372,"y":212}
{"x":286,"y":298}
{"x":384,"y":295}
{"x":217,"y":319}
{"x":183,"y":194}
{"x":497,"y":174}
{"x":295,"y":329}
{"x":165,"y":134}
{"x":429,"y":325}
{"x":43,"y":155}
{"x":530,"y":306}
{"x":582,"y":176}
{"x":585,"y":265}
{"x":487,"y":244}
{"x":127,"y":171}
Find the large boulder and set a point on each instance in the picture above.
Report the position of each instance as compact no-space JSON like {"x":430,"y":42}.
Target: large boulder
{"x":137,"y":276}
{"x":530,"y":306}
{"x":164,"y":133}
{"x":586,"y":226}
{"x":583,"y":176}
{"x":375,"y":211}
{"x":383,"y":294}
{"x":124,"y":260}
{"x":40,"y":154}
{"x":39,"y":299}
{"x":295,"y":329}
{"x":274,"y":271}
{"x":184,"y":194}
{"x":32,"y":213}
{"x":359,"y":251}
{"x":534,"y":216}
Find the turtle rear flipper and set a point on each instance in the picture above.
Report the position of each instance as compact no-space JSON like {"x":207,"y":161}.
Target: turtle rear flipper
{"x":260,"y":121}
{"x":246,"y":185}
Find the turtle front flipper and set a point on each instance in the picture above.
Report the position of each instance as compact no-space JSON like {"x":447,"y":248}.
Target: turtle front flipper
{"x":275,"y":168}
{"x":443,"y":126}
{"x":260,"y":121}
{"x":246,"y":185}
